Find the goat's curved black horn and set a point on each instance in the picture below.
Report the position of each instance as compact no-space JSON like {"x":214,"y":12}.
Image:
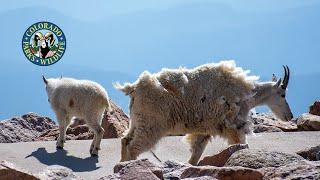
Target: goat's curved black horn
{"x":286,"y":77}
{"x":288,"y":74}
{"x":44,"y":79}
{"x":283,"y":84}
{"x":288,"y":71}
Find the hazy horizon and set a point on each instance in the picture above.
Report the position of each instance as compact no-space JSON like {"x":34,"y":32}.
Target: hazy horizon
{"x":109,"y":41}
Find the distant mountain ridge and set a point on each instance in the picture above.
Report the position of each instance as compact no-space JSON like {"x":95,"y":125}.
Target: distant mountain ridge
{"x":120,"y":47}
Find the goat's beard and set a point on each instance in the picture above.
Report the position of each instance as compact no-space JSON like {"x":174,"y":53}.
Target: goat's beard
{"x":278,"y":113}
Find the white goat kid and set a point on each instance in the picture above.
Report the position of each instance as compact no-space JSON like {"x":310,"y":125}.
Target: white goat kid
{"x":78,"y":98}
{"x":210,"y":100}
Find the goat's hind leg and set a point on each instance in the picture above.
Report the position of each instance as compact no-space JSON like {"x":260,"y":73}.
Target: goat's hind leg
{"x":98,"y":135}
{"x":93,"y":142}
{"x":125,"y":141}
{"x":64,"y":122}
{"x":144,"y":138}
{"x":95,"y":145}
{"x":198,"y":142}
{"x":95,"y":124}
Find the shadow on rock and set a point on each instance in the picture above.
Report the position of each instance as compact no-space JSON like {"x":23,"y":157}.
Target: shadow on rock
{"x":61,"y":158}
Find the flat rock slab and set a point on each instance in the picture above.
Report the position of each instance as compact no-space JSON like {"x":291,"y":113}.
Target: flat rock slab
{"x":36,"y":156}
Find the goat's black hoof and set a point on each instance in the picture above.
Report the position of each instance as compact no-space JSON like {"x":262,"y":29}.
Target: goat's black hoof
{"x":59,"y":147}
{"x":94,"y":155}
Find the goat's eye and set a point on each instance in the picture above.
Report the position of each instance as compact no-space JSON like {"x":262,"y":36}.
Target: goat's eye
{"x":283,"y":95}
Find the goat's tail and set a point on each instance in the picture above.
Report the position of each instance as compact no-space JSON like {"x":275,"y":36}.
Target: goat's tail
{"x":127,"y":88}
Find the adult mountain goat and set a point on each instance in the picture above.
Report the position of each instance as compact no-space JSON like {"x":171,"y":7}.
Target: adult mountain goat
{"x":209,"y":100}
{"x":78,"y":98}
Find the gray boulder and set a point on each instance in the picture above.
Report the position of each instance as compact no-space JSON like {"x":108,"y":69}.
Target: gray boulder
{"x":311,"y":154}
{"x":295,"y":170}
{"x":259,"y":159}
{"x":308,"y":122}
{"x":25,"y":128}
{"x":58,"y":172}
{"x":267,"y":122}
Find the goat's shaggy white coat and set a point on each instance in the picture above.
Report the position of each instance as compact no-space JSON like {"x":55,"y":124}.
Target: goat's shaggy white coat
{"x":78,"y":98}
{"x":212,"y":99}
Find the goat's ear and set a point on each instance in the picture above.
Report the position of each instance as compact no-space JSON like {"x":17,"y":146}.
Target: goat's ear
{"x":44,"y":79}
{"x":274,"y":78}
{"x":278,"y":83}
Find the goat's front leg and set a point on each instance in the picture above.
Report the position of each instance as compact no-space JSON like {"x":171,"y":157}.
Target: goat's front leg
{"x":198,"y":142}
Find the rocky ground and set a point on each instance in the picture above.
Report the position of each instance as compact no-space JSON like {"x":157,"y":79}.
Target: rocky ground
{"x":25,"y":128}
{"x":33,"y":127}
{"x":242,"y":164}
{"x":267,"y":151}
{"x":234,"y":162}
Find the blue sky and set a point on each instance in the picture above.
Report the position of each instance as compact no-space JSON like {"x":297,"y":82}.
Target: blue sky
{"x":101,"y":9}
{"x":109,"y":41}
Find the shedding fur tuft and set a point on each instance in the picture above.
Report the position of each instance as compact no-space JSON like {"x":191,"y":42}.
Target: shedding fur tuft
{"x":127,"y":88}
